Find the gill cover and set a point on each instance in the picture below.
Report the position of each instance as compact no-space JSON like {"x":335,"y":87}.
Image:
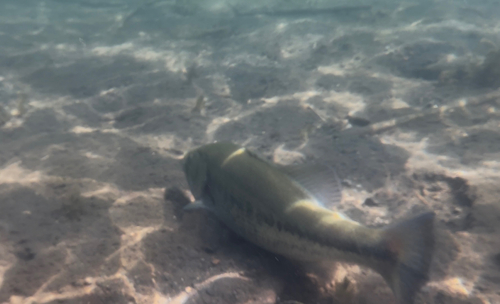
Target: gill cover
{"x":195,"y":169}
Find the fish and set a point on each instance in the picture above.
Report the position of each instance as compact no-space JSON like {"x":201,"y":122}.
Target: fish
{"x":287,"y":210}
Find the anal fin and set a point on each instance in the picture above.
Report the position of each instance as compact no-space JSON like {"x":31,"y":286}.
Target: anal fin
{"x":196,"y":205}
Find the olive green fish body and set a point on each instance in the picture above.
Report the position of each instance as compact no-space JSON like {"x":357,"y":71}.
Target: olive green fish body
{"x":269,"y":208}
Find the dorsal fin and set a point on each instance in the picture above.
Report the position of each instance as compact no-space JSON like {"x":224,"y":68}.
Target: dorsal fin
{"x":319,"y":180}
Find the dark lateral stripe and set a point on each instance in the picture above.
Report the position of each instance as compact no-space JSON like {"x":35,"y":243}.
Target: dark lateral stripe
{"x":262,"y":218}
{"x":347,"y":246}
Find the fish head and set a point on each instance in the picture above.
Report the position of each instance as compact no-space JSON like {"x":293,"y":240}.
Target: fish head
{"x":195,"y":169}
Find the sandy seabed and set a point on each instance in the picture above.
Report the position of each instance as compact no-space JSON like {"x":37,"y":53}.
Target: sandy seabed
{"x":98,"y":105}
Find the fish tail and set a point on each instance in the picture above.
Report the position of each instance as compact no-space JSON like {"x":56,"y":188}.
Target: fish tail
{"x":412,"y":241}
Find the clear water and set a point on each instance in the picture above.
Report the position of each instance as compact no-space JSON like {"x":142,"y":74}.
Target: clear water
{"x":100,"y":100}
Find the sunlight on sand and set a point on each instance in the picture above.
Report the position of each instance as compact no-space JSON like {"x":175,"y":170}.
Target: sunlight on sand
{"x":421,"y":158}
{"x":352,"y":102}
{"x":92,"y":284}
{"x":299,"y":46}
{"x":173,"y":61}
{"x":183,"y":297}
{"x":287,"y":157}
{"x":135,"y":225}
{"x":335,"y":69}
{"x":131,"y":238}
{"x":82,"y":130}
{"x":14,"y":173}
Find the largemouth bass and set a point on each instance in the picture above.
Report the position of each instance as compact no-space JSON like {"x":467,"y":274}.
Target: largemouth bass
{"x":277,"y":209}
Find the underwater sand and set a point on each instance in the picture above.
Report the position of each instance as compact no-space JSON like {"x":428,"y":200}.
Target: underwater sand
{"x":402,"y":99}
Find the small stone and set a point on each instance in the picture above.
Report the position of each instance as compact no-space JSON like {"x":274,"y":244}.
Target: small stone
{"x":215,"y":261}
{"x":177,"y":197}
{"x":370,"y":202}
{"x":347,"y":183}
{"x":358,"y":121}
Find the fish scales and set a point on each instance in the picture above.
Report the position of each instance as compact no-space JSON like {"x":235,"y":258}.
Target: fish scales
{"x":259,"y":213}
{"x":270,"y":209}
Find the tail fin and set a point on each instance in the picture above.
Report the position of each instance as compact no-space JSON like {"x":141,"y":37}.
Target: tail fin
{"x":413,"y":243}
